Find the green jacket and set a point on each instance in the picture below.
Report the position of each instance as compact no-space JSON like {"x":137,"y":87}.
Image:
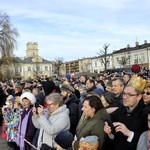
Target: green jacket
{"x":93,"y":126}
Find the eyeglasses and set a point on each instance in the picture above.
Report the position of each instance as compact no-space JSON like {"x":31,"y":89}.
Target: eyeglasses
{"x":129,"y":94}
{"x":147,"y":93}
{"x":50,"y":104}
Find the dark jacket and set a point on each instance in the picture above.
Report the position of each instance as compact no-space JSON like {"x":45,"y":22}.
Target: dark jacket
{"x":93,"y":126}
{"x":73,"y":106}
{"x":30,"y":131}
{"x":113,"y":100}
{"x":134,"y":121}
{"x":96,"y":90}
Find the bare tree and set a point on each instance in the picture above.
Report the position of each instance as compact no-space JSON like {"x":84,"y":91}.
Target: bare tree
{"x":57,"y":64}
{"x":123,"y":61}
{"x":8,"y":35}
{"x":104,"y":57}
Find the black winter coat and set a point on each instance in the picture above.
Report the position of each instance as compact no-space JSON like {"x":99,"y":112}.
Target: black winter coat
{"x":73,"y":106}
{"x":134,"y":121}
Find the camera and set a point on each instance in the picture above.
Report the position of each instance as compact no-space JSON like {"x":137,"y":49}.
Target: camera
{"x":37,"y":105}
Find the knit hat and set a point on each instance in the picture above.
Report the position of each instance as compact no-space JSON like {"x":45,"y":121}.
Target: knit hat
{"x":64,"y":139}
{"x":67,"y":87}
{"x":29,"y":96}
{"x":68,"y":76}
{"x":89,"y":143}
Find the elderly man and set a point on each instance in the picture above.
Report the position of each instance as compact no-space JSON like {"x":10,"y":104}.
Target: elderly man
{"x":128,"y":120}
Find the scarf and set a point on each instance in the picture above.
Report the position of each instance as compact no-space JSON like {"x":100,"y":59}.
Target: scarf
{"x":22,"y":131}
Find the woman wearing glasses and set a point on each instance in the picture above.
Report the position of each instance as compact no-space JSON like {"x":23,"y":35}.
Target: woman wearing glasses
{"x":146,"y":96}
{"x":51,"y":123}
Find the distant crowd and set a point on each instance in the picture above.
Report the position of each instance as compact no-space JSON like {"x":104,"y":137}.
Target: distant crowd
{"x":107,"y":112}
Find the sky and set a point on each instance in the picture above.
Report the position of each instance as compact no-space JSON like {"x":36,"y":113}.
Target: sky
{"x":75,"y":29}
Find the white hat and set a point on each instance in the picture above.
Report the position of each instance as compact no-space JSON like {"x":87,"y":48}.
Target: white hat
{"x":29,"y":96}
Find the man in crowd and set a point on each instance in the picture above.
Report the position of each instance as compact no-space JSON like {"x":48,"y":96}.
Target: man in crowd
{"x":128,"y":120}
{"x":72,"y":103}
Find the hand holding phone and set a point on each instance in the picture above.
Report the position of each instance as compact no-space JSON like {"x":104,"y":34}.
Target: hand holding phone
{"x":111,"y":125}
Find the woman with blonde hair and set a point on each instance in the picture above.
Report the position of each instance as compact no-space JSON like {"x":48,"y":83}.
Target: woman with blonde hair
{"x":146,"y":95}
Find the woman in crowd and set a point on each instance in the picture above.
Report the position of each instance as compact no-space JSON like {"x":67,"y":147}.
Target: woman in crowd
{"x":26,"y":128}
{"x":51,"y":122}
{"x":93,"y":124}
{"x":146,"y":95}
{"x":144,"y":140}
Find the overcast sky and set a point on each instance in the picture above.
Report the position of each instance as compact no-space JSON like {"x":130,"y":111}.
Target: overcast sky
{"x":73,"y":29}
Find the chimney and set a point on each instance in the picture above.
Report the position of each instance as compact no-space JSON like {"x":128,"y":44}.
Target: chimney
{"x":136,"y":44}
{"x":128,"y":46}
{"x":145,"y":41}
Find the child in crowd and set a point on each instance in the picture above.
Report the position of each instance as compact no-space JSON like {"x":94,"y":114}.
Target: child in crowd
{"x":11,"y":112}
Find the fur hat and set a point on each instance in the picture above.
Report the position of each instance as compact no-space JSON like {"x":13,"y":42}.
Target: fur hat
{"x":29,"y":96}
{"x":64,"y":139}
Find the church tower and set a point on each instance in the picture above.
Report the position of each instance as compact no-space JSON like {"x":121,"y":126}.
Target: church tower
{"x":32,"y":49}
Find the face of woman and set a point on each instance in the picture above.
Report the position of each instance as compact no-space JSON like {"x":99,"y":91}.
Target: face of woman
{"x":26,"y":103}
{"x":146,"y":96}
{"x":87,"y":109}
{"x":52,"y":106}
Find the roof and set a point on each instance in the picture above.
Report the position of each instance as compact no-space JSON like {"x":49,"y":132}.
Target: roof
{"x":132,"y":48}
{"x":29,"y":60}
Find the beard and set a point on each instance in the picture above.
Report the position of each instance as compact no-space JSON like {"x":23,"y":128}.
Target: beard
{"x":65,"y":97}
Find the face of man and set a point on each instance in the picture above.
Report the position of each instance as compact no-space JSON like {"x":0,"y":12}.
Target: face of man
{"x":82,"y":79}
{"x":126,"y":78}
{"x":130,"y":97}
{"x":64,"y":94}
{"x":88,"y":85}
{"x":117,"y":87}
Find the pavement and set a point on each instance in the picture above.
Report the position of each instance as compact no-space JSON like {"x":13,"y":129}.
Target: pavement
{"x":3,"y":143}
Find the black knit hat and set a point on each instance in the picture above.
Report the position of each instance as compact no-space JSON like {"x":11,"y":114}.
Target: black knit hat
{"x":64,"y":139}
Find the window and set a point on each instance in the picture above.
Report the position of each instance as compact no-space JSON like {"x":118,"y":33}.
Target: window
{"x":46,"y":68}
{"x":136,"y":58}
{"x":142,"y":58}
{"x":95,"y":64}
{"x":29,"y":68}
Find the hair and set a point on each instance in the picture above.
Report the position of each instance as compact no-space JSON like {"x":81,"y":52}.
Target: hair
{"x":109,"y":83}
{"x":147,"y":88}
{"x":94,"y":102}
{"x":56,"y":98}
{"x":120,"y":79}
{"x":138,"y":91}
{"x":91,"y":81}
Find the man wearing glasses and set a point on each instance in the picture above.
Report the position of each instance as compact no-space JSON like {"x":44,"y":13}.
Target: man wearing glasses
{"x":128,"y":120}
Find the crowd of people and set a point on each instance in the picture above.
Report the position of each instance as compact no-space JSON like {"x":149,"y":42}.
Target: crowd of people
{"x":109,"y":112}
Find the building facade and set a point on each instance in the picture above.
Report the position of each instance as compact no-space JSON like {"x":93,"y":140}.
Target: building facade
{"x":118,"y":59}
{"x":33,"y":66}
